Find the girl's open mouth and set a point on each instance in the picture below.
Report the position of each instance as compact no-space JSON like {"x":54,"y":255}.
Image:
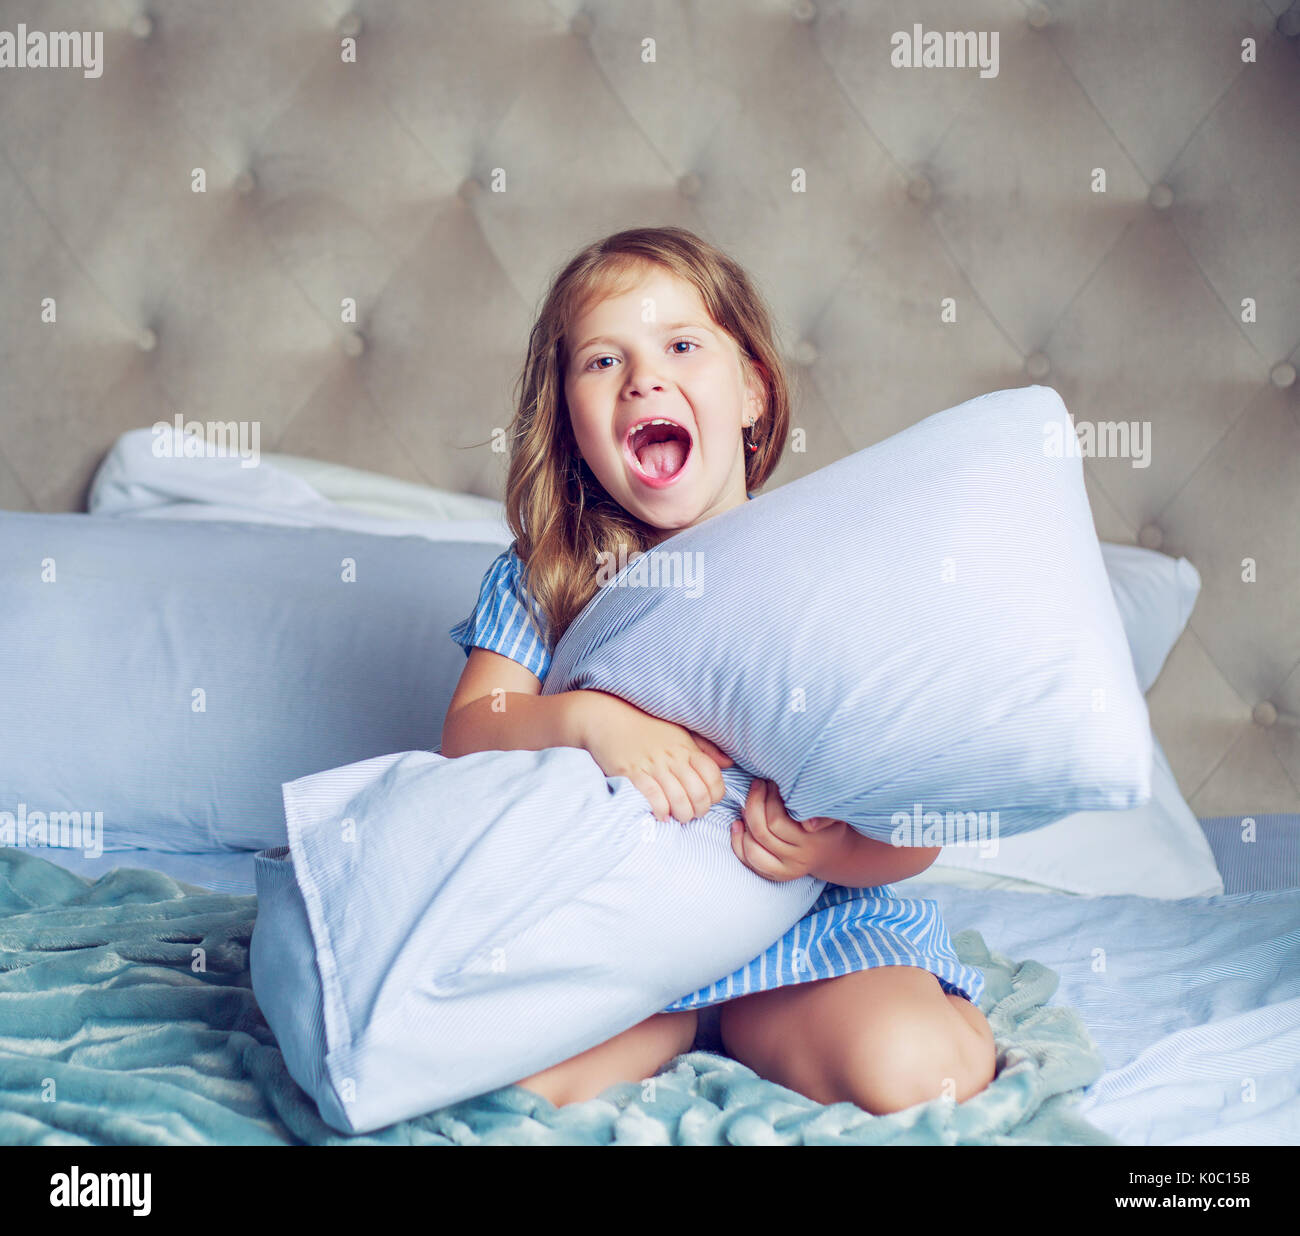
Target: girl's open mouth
{"x":657,"y":450}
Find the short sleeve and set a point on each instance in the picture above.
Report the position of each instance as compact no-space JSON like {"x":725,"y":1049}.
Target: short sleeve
{"x":500,"y":621}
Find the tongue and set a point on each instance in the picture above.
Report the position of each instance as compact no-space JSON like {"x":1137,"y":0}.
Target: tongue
{"x":661,"y":459}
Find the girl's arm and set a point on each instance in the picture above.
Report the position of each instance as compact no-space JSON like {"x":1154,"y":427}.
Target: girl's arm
{"x":864,"y":862}
{"x":498,"y":706}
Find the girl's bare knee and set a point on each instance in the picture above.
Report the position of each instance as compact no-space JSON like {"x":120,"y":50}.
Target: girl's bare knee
{"x":981,"y":1060}
{"x":897,"y":1069}
{"x":979,"y":1049}
{"x":890,"y":1075}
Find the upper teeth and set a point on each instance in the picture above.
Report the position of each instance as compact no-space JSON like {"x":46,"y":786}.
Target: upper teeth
{"x":647,"y":424}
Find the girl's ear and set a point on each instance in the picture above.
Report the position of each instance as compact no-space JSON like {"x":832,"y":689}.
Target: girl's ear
{"x":755,"y":388}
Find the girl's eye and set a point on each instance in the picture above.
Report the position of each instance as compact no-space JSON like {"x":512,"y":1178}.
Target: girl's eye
{"x":595,"y":361}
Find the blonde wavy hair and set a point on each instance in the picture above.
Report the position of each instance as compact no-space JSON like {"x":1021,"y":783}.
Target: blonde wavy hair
{"x":561,"y":516}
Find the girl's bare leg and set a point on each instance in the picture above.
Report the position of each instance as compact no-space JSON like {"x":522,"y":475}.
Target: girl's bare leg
{"x":635,"y":1054}
{"x":884,"y":1039}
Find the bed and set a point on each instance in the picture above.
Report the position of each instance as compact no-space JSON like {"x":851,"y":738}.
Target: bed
{"x":1196,"y":1019}
{"x":1129,"y":1020}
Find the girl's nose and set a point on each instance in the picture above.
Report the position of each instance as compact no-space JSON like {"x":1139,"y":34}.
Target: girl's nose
{"x":643,"y":381}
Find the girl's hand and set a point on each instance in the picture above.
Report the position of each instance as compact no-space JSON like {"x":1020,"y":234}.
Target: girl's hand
{"x":776,"y":847}
{"x":677,"y":770}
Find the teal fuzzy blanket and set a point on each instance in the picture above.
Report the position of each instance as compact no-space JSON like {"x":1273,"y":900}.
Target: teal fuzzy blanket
{"x":127,"y":1018}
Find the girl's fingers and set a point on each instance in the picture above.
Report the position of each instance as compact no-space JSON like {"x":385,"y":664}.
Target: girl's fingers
{"x":738,"y":835}
{"x":779,"y":823}
{"x":756,"y":811}
{"x":709,"y":774}
{"x":763,"y":816}
{"x":696,"y":789}
{"x":752,"y":854}
{"x":654,"y":795}
{"x":712,"y":750}
{"x":678,"y":799}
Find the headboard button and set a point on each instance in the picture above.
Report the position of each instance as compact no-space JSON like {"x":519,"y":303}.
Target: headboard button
{"x":244,"y":183}
{"x":146,"y":339}
{"x":1161,"y":197}
{"x":920,"y":189}
{"x":1037,"y":366}
{"x":349,"y":25}
{"x":354,"y":343}
{"x":1264,"y":714}
{"x":1151,"y":536}
{"x":688,"y":185}
{"x":1282,"y":375}
{"x":142,"y":25}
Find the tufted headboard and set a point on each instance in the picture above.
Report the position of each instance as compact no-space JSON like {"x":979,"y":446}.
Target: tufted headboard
{"x":1106,"y":199}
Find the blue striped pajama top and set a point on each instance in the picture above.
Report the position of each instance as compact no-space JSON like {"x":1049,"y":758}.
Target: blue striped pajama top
{"x":847,"y":929}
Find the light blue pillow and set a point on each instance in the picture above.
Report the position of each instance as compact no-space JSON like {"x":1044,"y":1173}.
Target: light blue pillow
{"x":923,"y":626}
{"x":171,"y":675}
{"x":438,"y":927}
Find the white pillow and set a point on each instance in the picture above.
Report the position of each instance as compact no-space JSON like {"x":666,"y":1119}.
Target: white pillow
{"x":1155,"y":594}
{"x":1156,"y":850}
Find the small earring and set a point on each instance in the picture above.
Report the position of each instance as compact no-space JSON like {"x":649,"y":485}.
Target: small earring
{"x":749,"y":445}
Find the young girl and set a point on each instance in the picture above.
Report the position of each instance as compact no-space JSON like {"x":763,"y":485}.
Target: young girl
{"x":653,"y":398}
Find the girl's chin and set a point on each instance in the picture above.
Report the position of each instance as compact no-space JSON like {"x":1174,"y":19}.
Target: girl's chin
{"x":668,"y":516}
{"x":662,"y":498}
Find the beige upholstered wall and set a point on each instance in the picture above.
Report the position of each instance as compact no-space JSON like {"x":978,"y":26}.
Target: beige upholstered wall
{"x":442,"y":177}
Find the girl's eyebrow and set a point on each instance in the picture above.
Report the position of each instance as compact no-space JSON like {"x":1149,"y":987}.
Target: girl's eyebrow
{"x":672,"y":326}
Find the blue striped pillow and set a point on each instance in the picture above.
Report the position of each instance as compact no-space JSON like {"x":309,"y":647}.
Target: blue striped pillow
{"x":925,"y":626}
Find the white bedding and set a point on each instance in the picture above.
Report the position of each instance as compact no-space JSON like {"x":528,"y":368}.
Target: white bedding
{"x":1194,"y":1004}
